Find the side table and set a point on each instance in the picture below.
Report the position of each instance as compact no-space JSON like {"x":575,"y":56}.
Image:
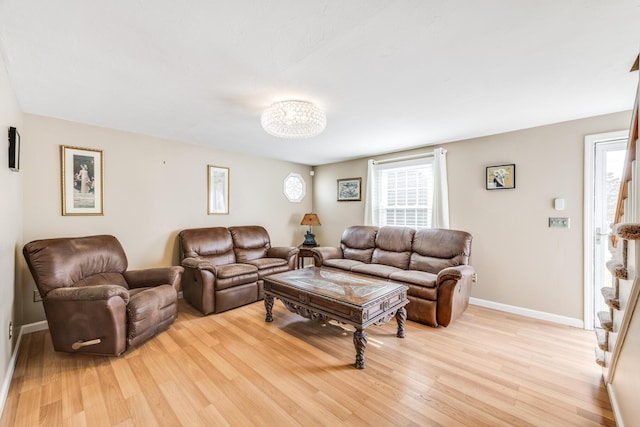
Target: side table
{"x":305,"y":252}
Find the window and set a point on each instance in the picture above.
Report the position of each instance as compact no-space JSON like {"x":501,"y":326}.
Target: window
{"x":403,"y":193}
{"x":410,"y":193}
{"x":294,"y":187}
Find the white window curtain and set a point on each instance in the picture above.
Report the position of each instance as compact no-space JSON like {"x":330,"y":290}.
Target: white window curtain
{"x":440,"y":211}
{"x":410,"y":191}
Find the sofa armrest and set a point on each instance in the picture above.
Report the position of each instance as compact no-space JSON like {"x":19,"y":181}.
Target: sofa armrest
{"x":198,"y":264}
{"x":322,"y":253}
{"x":288,"y":253}
{"x":88,"y":293}
{"x":454,"y":291}
{"x":150,"y":277}
{"x":284,"y":252}
{"x":455,"y":273}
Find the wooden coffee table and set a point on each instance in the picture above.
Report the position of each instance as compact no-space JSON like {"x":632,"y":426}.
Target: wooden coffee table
{"x":321,"y":294}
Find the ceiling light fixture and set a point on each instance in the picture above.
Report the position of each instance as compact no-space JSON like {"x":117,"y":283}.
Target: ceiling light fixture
{"x":293,"y":119}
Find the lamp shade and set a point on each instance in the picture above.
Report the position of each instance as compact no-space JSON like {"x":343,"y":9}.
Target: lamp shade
{"x":310,"y":219}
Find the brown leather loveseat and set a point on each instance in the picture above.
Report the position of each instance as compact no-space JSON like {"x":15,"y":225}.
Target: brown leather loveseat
{"x":92,"y":303}
{"x":225,"y":267}
{"x":433,"y":263}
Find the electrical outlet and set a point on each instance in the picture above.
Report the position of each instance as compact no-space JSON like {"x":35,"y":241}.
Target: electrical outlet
{"x":559,"y":222}
{"x":36,"y":296}
{"x":10,"y":329}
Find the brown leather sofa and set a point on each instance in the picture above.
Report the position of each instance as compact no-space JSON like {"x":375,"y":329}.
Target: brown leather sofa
{"x":433,"y":263}
{"x":225,"y":267}
{"x":92,"y":303}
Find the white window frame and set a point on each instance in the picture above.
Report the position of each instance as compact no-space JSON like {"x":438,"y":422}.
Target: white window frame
{"x":380,"y":202}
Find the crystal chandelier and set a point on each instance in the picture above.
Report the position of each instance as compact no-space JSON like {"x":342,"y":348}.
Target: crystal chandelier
{"x":293,"y":119}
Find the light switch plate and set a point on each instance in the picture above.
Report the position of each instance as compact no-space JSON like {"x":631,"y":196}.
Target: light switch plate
{"x":559,"y":222}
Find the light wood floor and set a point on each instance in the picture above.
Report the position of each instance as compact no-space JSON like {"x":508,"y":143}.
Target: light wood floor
{"x":232,"y":369}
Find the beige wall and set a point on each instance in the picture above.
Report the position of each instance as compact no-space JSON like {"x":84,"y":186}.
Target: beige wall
{"x":10,"y":221}
{"x":520,"y":261}
{"x":153,"y":188}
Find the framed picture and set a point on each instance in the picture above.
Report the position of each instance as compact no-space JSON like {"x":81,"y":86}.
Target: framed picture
{"x":14,"y":149}
{"x":218,"y":199}
{"x":501,"y":177}
{"x":349,"y":189}
{"x":82,"y":181}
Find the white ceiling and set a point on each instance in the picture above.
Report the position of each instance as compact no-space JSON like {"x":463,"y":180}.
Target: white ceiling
{"x":390,"y":75}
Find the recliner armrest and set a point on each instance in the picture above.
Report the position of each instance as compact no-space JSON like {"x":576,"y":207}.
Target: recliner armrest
{"x":322,"y":253}
{"x":198,"y":264}
{"x":150,"y":277}
{"x":284,"y":252}
{"x":88,"y":293}
{"x":455,"y":273}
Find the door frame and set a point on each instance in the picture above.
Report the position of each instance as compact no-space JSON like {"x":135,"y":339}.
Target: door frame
{"x":590,"y":142}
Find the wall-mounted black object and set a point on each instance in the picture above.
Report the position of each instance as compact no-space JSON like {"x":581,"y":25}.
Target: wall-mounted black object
{"x":14,"y":149}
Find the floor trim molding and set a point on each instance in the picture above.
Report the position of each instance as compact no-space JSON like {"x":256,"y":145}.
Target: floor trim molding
{"x":614,"y":405}
{"x":25,"y":329}
{"x":540,"y":315}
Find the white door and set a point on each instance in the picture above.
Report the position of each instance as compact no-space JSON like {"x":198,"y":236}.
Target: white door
{"x":608,"y":153}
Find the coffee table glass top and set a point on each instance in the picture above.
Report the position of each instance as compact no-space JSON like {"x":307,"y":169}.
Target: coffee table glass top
{"x":335,"y":284}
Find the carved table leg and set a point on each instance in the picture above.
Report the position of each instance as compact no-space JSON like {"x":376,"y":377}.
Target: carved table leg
{"x":360,"y":342}
{"x":401,"y":316}
{"x":268,"y":305}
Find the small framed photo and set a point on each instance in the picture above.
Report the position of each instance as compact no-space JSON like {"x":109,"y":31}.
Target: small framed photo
{"x":501,"y":177}
{"x":14,"y":149}
{"x":349,"y":189}
{"x":218,"y":198}
{"x":82,"y":181}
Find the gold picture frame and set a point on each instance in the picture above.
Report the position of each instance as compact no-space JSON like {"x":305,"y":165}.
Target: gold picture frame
{"x":218,"y":190}
{"x":82,"y":181}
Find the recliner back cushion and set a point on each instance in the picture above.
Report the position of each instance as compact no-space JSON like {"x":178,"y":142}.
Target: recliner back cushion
{"x":358,"y":242}
{"x":436,"y":249}
{"x":250,"y":242}
{"x":103,"y":279}
{"x":65,"y":262}
{"x":213,"y":244}
{"x":393,"y":246}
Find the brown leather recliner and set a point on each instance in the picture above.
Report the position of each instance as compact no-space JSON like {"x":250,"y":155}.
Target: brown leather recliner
{"x":92,"y":303}
{"x":225,"y":267}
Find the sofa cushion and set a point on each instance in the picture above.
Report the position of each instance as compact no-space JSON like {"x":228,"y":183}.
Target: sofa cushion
{"x":267,"y":266}
{"x":63,"y":262}
{"x":149,"y":311}
{"x":422,"y":292}
{"x":212,"y":244}
{"x":264,"y":263}
{"x":233,"y":270}
{"x":102,"y":279}
{"x":435,"y":249}
{"x":358,"y":242}
{"x":393,"y":246}
{"x":250,"y":242}
{"x":378,"y":270}
{"x":421,"y":278}
{"x":342,"y":264}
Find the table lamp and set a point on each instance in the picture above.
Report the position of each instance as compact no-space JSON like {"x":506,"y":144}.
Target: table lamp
{"x":310,"y":238}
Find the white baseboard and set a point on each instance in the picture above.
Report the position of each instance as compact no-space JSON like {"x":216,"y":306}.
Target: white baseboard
{"x":34,"y":327}
{"x":6,"y":384}
{"x":614,"y":405}
{"x":541,"y":315}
